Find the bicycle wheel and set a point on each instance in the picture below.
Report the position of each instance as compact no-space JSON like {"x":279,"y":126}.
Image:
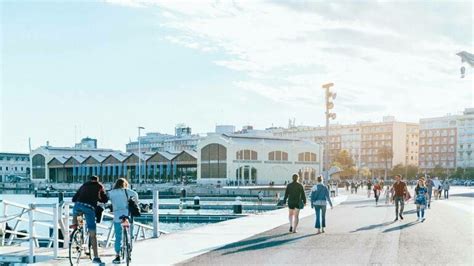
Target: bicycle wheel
{"x":126,"y":246}
{"x":76,"y":245}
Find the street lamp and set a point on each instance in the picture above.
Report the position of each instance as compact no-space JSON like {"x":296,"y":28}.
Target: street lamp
{"x":329,"y":105}
{"x":139,"y":155}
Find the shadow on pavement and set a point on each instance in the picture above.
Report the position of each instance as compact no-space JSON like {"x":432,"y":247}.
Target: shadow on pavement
{"x":250,"y":241}
{"x":270,"y":244}
{"x":396,"y":228}
{"x":467,"y":195}
{"x":373,"y":226}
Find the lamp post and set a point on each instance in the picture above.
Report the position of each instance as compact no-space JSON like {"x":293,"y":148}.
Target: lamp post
{"x":329,"y":105}
{"x":139,"y":155}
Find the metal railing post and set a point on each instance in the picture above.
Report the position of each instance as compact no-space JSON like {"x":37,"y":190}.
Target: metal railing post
{"x":66,"y":226}
{"x":31,"y":251}
{"x":156,"y":215}
{"x":55,"y":230}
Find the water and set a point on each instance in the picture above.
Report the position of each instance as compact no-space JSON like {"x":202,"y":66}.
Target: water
{"x":43,"y":231}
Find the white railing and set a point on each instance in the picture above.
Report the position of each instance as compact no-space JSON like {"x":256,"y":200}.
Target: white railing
{"x":58,"y":219}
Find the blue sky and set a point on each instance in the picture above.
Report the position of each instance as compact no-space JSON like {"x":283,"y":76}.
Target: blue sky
{"x":102,"y":68}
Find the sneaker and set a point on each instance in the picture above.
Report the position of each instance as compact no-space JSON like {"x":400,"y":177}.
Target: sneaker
{"x":322,"y":230}
{"x":319,"y":231}
{"x":97,"y":261}
{"x":396,"y":219}
{"x":423,"y":219}
{"x":401,"y":217}
{"x":291,"y":229}
{"x":117,"y":260}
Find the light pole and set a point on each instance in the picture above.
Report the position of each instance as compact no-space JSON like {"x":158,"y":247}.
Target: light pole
{"x":139,"y":155}
{"x":329,"y":115}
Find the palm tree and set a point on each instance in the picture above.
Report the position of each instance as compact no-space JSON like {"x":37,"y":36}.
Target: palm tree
{"x":385,"y":153}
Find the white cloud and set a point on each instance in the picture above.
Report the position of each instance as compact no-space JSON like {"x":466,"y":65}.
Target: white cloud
{"x":380,"y":55}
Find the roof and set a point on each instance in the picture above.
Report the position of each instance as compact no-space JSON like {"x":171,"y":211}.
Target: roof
{"x":61,"y":159}
{"x":242,"y":136}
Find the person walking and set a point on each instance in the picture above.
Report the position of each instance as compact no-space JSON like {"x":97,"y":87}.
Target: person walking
{"x":319,"y":199}
{"x":119,"y":197}
{"x":399,"y":193}
{"x":85,"y":202}
{"x":446,"y":188}
{"x":377,"y":191}
{"x":369,"y":188}
{"x":388,"y":194}
{"x":421,"y":195}
{"x":429,"y":186}
{"x":294,"y":193}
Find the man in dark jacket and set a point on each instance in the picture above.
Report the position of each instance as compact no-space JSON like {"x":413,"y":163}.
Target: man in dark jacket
{"x":85,"y":202}
{"x":296,"y":201}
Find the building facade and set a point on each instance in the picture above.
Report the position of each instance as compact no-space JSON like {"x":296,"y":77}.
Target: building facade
{"x":245,"y":160}
{"x":14,"y":166}
{"x":183,"y":140}
{"x":447,"y":141}
{"x":364,"y":140}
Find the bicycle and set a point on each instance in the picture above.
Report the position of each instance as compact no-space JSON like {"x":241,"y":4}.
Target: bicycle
{"x":79,"y":242}
{"x":126,"y":252}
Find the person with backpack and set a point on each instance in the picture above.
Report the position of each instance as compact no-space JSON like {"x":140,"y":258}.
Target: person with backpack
{"x":120,"y":197}
{"x":319,"y":199}
{"x":85,"y":202}
{"x":296,"y":200}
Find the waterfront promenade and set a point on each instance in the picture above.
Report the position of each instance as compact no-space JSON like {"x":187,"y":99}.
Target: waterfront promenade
{"x":358,"y":232}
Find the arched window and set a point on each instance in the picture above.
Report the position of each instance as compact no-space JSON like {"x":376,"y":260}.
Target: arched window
{"x":39,"y":168}
{"x":306,"y":157}
{"x":247,"y":155}
{"x":246,"y":175}
{"x":213,"y":161}
{"x":278,"y":156}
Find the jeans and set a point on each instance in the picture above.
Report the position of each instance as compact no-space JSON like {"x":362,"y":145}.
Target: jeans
{"x":446,"y":193}
{"x":399,"y":201}
{"x":89,"y":214}
{"x":118,"y":236}
{"x":320,"y":209}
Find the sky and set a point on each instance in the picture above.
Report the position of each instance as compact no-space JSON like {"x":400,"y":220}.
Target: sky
{"x":71,"y":69}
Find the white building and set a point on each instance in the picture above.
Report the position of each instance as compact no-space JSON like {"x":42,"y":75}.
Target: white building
{"x":465,"y":139}
{"x":13,"y":165}
{"x":226,"y":158}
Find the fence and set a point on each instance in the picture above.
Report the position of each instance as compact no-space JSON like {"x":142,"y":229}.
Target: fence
{"x":57,"y":216}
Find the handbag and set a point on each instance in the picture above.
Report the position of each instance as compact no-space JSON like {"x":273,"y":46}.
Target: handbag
{"x":133,"y":208}
{"x":301,"y":206}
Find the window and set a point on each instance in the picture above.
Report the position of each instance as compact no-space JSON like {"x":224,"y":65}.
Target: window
{"x":214,"y":161}
{"x":278,"y":156}
{"x":307,"y":157}
{"x":246,"y":155}
{"x":39,"y":169}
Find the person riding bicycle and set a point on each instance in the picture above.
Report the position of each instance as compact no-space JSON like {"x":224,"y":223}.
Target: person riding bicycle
{"x":119,"y":197}
{"x":85,"y":202}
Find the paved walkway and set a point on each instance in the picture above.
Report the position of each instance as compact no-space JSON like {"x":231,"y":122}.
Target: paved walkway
{"x":361,"y":233}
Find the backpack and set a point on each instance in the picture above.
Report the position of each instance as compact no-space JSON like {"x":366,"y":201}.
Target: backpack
{"x":133,"y":208}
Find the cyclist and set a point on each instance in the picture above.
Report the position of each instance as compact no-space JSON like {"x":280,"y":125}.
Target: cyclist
{"x":85,"y":201}
{"x":119,"y":197}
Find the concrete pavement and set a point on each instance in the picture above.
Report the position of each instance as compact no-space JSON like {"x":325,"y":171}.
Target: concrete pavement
{"x":359,"y":232}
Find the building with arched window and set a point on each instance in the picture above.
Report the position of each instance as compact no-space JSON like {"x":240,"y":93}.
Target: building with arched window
{"x":244,"y":159}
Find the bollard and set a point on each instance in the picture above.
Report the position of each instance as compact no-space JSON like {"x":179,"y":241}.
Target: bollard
{"x":61,"y":197}
{"x":197,"y":203}
{"x":238,"y":205}
{"x":36,"y":192}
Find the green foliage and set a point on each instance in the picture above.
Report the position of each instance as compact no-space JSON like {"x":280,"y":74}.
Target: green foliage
{"x":344,"y":161}
{"x":408,"y":172}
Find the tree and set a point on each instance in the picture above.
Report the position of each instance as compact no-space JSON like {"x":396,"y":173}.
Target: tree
{"x":386,"y":154}
{"x":365,"y":171}
{"x":344,"y":161}
{"x":438,"y":171}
